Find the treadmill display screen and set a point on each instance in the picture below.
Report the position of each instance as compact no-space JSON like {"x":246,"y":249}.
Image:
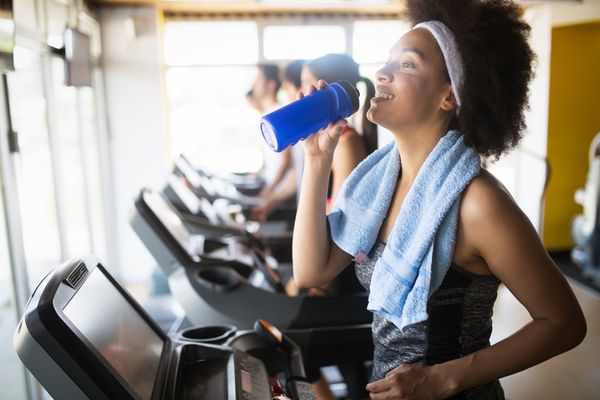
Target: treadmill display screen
{"x":171,"y":220}
{"x":117,"y":332}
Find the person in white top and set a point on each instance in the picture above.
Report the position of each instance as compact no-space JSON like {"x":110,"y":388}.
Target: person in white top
{"x":264,"y":99}
{"x":290,"y":181}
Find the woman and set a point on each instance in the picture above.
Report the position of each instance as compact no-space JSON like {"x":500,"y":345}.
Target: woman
{"x":455,"y":84}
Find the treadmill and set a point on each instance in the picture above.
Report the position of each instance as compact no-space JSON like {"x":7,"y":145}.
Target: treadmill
{"x":331,"y":330}
{"x":213,"y":188}
{"x":222,"y":212}
{"x":245,"y":183}
{"x":83,"y":337}
{"x":224,"y":217}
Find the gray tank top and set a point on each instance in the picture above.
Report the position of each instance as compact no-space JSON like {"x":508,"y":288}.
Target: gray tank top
{"x":459,"y":323}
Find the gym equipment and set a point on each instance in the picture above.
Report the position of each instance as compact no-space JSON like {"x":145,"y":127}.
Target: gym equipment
{"x":232,"y":290}
{"x":246,"y":183}
{"x":206,"y":218}
{"x":585,"y":228}
{"x":330,"y":330}
{"x":214,"y":188}
{"x":83,"y":337}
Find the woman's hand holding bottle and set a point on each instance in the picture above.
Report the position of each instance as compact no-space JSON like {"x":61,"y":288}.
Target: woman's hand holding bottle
{"x":323,"y":143}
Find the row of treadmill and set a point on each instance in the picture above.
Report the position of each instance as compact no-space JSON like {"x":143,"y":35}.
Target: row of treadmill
{"x":84,"y":337}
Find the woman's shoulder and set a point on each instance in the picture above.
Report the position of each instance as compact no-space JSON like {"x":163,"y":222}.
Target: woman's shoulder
{"x":485,"y":205}
{"x":485,"y":198}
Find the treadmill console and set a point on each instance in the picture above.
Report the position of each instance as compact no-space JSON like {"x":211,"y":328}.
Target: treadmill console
{"x":127,"y":343}
{"x":83,"y":337}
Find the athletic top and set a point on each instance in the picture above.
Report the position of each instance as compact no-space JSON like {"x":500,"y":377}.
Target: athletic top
{"x":459,"y":323}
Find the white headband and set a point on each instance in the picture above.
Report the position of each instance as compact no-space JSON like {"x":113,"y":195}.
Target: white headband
{"x":447,"y":42}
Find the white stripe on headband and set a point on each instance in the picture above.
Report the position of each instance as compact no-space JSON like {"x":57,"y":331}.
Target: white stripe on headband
{"x":445,"y":39}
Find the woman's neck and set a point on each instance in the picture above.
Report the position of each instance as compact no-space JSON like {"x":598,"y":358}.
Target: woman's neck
{"x":414,"y":147}
{"x":268,"y":104}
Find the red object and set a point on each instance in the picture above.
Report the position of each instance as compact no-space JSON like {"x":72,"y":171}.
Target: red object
{"x":346,"y":130}
{"x":276,"y":388}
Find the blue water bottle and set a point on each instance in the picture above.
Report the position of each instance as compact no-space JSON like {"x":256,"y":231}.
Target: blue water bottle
{"x":296,"y":121}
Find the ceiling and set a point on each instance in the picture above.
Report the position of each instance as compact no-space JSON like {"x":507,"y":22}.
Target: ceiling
{"x":325,"y":6}
{"x":272,"y":6}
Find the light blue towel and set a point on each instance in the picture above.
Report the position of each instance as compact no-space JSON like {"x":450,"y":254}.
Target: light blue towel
{"x":421,"y":245}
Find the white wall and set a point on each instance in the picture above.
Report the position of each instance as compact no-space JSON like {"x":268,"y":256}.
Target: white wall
{"x":136,"y":121}
{"x":533,"y":150}
{"x":523,"y":170}
{"x":575,"y":13}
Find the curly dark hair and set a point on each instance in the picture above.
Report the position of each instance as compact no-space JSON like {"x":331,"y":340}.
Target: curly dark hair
{"x":498,"y":66}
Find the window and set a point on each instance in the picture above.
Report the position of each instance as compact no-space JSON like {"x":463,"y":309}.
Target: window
{"x":210,"y":119}
{"x":35,"y":181}
{"x":303,"y":41}
{"x":372,"y":40}
{"x":12,"y":379}
{"x":210,"y":43}
{"x":206,"y":80}
{"x":71,"y":169}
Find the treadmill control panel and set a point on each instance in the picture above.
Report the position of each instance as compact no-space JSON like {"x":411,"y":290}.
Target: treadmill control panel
{"x":251,"y":377}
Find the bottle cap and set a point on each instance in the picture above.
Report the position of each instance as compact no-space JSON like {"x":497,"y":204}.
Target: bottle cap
{"x":352,"y":93}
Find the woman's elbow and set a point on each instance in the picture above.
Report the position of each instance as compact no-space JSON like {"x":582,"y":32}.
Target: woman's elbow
{"x":304,"y":281}
{"x":579,"y":329}
{"x":573,"y":330}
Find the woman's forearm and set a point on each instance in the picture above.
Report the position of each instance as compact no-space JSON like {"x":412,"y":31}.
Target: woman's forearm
{"x":284,"y":166}
{"x":287,"y":189}
{"x":282,"y":171}
{"x":534,"y":343}
{"x":310,"y":246}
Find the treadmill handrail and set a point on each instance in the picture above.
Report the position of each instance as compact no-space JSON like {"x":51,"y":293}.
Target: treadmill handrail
{"x":206,"y":224}
{"x":181,"y":254}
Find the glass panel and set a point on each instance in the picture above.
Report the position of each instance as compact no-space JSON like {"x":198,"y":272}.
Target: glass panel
{"x":25,"y":14}
{"x":57,"y":19}
{"x":70,"y":164}
{"x":12,"y":378}
{"x":214,"y":42}
{"x":302,"y":41}
{"x":372,"y":40}
{"x":91,"y":151}
{"x":34,"y":165}
{"x":210,"y":119}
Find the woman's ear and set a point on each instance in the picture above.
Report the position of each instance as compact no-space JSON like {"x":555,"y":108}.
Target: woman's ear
{"x":449,"y":101}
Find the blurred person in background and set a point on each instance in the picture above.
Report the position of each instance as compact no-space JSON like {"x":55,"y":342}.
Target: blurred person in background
{"x":291,"y":84}
{"x":263,"y":97}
